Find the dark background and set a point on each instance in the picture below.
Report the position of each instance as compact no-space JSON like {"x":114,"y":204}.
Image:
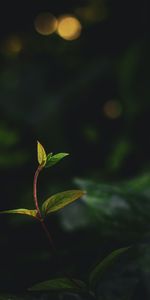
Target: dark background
{"x":89,"y":97}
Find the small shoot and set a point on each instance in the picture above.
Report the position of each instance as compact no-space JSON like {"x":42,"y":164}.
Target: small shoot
{"x":50,"y":159}
{"x":53,"y":203}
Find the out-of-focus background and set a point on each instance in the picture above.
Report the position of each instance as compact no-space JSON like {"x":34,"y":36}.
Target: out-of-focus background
{"x":75,"y":76}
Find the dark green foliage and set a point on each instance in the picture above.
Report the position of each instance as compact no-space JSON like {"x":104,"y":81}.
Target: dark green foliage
{"x":59,"y":284}
{"x":123,"y":205}
{"x":104,"y":266}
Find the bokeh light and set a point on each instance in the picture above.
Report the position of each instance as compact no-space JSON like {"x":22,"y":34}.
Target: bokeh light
{"x":69,"y":27}
{"x":12,"y":45}
{"x":45,"y":23}
{"x":112,"y":109}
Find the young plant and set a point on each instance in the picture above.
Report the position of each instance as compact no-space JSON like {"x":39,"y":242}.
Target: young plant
{"x":89,"y":287}
{"x":50,"y":205}
{"x":54,"y":202}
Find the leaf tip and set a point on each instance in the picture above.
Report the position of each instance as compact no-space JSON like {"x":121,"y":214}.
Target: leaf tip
{"x":66,"y":154}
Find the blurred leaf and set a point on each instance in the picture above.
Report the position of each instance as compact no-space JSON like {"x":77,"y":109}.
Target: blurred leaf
{"x":121,"y":203}
{"x":58,"y":284}
{"x":52,"y":160}
{"x":8,"y":137}
{"x":118,"y":155}
{"x":60,"y":200}
{"x":22,"y":211}
{"x":41,"y":154}
{"x":19,"y":296}
{"x":102,"y":267}
{"x":105,"y":204}
{"x":140,"y":184}
{"x":111,"y":208}
{"x":13,"y":158}
{"x":6,"y":296}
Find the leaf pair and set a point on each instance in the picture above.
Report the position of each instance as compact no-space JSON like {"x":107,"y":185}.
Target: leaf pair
{"x":60,"y":284}
{"x":52,"y":204}
{"x":50,"y":159}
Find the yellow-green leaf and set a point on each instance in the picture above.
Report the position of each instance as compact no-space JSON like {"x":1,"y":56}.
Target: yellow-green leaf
{"x":41,"y":154}
{"x":22,"y":211}
{"x":60,"y":200}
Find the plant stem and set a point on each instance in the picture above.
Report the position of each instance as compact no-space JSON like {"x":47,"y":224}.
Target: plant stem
{"x":39,"y":216}
{"x":35,"y":190}
{"x":48,"y":234}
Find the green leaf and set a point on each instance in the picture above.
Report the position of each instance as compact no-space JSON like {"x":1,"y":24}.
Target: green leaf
{"x":58,"y":284}
{"x":49,"y":157}
{"x":21,"y":211}
{"x":60,"y":200}
{"x":41,"y":154}
{"x":52,"y":160}
{"x":102,"y":267}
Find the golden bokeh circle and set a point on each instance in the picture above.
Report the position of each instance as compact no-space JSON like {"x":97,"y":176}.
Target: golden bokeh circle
{"x":69,"y":27}
{"x":45,"y":23}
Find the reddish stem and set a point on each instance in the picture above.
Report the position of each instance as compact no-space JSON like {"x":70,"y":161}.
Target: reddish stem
{"x":39,"y":216}
{"x":35,"y":190}
{"x":48,"y":234}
